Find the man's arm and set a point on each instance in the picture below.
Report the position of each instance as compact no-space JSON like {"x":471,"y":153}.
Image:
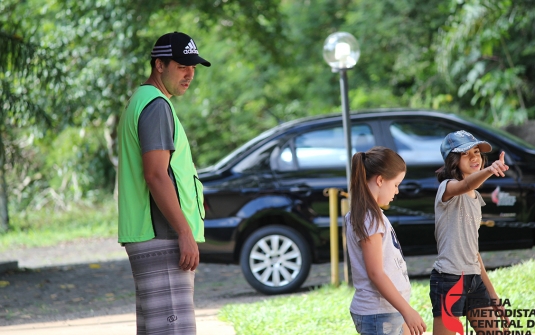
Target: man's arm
{"x":155,"y":164}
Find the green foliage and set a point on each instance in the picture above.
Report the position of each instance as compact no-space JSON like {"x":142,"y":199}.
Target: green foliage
{"x":61,"y":169}
{"x":484,"y":51}
{"x":97,"y":45}
{"x":326,"y":310}
{"x":245,"y":21}
{"x":76,"y":162}
{"x":99,"y":50}
{"x":212,"y":121}
{"x":516,"y":284}
{"x":396,"y":40}
{"x":25,"y":67}
{"x":74,"y":64}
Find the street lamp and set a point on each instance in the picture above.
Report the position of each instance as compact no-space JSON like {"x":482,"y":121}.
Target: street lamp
{"x":342,"y":52}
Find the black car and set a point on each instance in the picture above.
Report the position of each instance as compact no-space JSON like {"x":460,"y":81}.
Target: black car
{"x":266,"y":208}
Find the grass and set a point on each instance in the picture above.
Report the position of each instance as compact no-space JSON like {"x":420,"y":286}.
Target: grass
{"x":326,"y":310}
{"x":48,"y":226}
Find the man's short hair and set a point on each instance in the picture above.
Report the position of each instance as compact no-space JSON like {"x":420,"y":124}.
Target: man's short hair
{"x":165,"y":61}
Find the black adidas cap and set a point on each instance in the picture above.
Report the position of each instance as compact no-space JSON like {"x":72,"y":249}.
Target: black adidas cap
{"x":180,"y":48}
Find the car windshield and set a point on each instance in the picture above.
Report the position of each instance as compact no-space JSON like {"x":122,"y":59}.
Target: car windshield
{"x":243,"y":148}
{"x":516,"y":140}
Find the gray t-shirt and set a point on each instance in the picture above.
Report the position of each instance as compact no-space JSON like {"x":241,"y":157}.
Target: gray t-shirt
{"x":367,"y":300}
{"x":156,"y":128}
{"x":457,"y":223}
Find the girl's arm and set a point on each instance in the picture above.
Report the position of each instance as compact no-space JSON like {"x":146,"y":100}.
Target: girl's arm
{"x":486,"y":279}
{"x":473,"y":181}
{"x":372,"y":250}
{"x":490,"y":288}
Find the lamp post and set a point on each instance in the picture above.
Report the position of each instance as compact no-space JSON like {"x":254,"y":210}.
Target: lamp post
{"x":341,"y":51}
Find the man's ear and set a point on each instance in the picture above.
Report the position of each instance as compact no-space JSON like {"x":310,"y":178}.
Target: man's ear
{"x":159,"y":65}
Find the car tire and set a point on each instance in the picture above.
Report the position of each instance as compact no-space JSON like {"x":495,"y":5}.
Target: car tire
{"x":275,"y":260}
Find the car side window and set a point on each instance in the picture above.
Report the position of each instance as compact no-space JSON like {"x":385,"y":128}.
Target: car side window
{"x":326,"y":147}
{"x":258,"y":160}
{"x":418,"y":142}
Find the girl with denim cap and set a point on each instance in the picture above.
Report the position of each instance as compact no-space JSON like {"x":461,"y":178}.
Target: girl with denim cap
{"x":380,"y":304}
{"x":457,"y":220}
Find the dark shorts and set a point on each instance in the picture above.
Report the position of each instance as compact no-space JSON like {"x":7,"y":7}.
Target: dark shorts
{"x":474,"y":295}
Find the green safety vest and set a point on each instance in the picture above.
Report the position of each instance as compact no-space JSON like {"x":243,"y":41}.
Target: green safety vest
{"x":135,"y":222}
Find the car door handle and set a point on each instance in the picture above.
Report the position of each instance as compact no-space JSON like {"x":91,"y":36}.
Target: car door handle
{"x":410,"y":188}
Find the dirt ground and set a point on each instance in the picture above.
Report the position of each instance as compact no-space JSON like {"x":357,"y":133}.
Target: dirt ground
{"x":93,"y":278}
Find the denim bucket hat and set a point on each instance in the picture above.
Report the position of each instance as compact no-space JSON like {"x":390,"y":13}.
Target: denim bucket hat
{"x":461,"y":141}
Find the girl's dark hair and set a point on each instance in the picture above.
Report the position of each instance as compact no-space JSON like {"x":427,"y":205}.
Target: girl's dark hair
{"x":378,"y":161}
{"x":451,"y":170}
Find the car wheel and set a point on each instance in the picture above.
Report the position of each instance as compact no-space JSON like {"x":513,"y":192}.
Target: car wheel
{"x":275,"y":260}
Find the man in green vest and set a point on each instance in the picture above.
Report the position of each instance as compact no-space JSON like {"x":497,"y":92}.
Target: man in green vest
{"x":161,"y":210}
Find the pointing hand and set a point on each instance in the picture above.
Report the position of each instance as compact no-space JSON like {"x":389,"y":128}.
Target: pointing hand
{"x":498,"y":167}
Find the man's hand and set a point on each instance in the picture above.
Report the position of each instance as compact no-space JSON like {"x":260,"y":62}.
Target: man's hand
{"x":189,"y":252}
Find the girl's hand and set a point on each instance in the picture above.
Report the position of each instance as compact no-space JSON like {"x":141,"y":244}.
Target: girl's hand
{"x":414,"y":322}
{"x":498,"y":167}
{"x":499,"y":309}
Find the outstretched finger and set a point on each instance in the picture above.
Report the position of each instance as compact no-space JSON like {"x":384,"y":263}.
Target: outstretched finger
{"x":502,"y":157}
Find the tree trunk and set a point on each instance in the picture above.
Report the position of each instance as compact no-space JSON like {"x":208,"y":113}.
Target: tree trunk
{"x":4,"y":217}
{"x":110,"y":133}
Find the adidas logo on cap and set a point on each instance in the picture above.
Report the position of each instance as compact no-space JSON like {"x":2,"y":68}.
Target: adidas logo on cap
{"x":191,"y":48}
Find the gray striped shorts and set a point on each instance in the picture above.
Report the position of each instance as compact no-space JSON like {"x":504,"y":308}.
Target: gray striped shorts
{"x":164,"y":292}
